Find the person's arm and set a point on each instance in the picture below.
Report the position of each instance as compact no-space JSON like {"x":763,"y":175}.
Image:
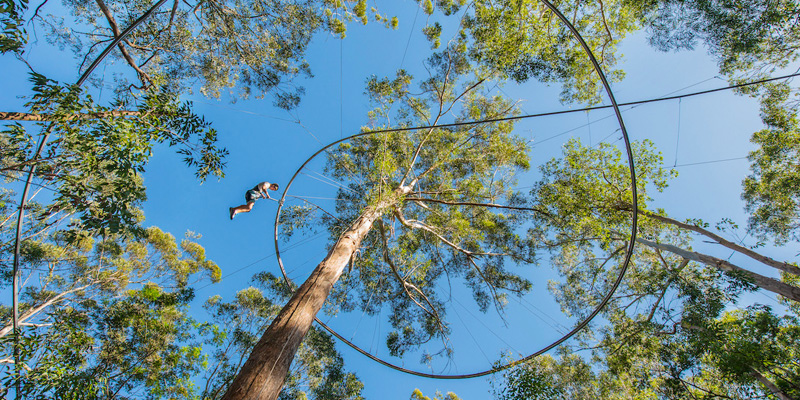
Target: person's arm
{"x":263,"y":191}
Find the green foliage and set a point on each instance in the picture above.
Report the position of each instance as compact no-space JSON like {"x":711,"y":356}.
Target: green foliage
{"x":96,"y":156}
{"x":528,"y":383}
{"x":58,"y":358}
{"x":433,"y":33}
{"x":523,"y":39}
{"x":417,"y":395}
{"x":246,"y":48}
{"x":772,"y":190}
{"x":13,"y":36}
{"x":719,"y":358}
{"x":741,"y":36}
{"x":546,"y":377}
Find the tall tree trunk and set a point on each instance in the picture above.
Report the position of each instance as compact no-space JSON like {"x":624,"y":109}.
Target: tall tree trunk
{"x":263,"y":374}
{"x":770,"y":385}
{"x":764,"y":282}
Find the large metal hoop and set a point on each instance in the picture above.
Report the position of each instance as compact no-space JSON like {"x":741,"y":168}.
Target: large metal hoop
{"x":582,"y":323}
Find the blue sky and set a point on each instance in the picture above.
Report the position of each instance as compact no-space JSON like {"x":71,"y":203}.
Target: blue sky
{"x":267,"y":144}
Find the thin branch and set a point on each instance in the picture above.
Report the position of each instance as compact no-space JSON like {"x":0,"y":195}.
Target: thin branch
{"x":414,"y":224}
{"x":786,"y":267}
{"x":115,"y":28}
{"x":406,"y":285}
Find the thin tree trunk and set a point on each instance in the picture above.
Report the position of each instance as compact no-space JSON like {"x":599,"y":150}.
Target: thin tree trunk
{"x":786,"y":267}
{"x":764,"y":282}
{"x":263,"y":374}
{"x":770,"y":385}
{"x":20,"y":116}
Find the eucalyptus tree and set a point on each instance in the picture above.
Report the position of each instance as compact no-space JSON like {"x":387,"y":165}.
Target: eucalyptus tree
{"x":753,"y":38}
{"x":667,"y":334}
{"x":234,"y":328}
{"x":772,"y":190}
{"x":246,"y":47}
{"x":743,"y":354}
{"x":94,"y":165}
{"x":748,"y":41}
{"x":101,"y":318}
{"x":586,"y":193}
{"x":419,"y":206}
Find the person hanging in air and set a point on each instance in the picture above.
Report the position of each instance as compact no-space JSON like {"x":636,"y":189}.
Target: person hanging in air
{"x":250,"y":197}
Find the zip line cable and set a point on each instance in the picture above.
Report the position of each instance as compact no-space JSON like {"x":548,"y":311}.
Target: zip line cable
{"x":341,"y":88}
{"x":592,"y":108}
{"x":408,"y":42}
{"x":711,"y":162}
{"x":636,"y":103}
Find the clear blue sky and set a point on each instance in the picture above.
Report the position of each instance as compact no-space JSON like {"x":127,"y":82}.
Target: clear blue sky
{"x":265,"y":144}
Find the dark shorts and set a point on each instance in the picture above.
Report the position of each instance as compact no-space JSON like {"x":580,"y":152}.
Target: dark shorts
{"x":251,"y":195}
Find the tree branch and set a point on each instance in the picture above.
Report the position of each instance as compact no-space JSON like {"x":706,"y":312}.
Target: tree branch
{"x":414,"y":224}
{"x":115,"y":28}
{"x":792,"y":269}
{"x":406,"y":285}
{"x":21,"y":116}
{"x":491,"y":205}
{"x":773,"y":285}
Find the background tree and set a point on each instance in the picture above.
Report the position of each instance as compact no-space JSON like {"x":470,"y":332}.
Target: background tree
{"x":107,"y":317}
{"x":667,"y":334}
{"x":743,"y":354}
{"x":749,"y":42}
{"x":12,"y":37}
{"x":523,"y":39}
{"x":245,"y":47}
{"x":586,"y":193}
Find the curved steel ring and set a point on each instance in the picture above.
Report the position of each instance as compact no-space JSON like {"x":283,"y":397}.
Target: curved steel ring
{"x":579,"y":326}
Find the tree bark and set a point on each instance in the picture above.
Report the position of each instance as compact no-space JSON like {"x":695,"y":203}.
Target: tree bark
{"x":786,"y":267}
{"x":20,"y":116}
{"x":773,"y":389}
{"x":263,"y":374}
{"x":767,"y":283}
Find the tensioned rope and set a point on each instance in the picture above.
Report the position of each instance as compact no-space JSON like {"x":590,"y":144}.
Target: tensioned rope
{"x":592,"y":108}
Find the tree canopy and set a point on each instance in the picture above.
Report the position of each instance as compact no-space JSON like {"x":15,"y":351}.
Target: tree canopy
{"x":105,"y":310}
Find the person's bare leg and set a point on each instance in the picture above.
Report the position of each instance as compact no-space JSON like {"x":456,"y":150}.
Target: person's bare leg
{"x":240,"y":209}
